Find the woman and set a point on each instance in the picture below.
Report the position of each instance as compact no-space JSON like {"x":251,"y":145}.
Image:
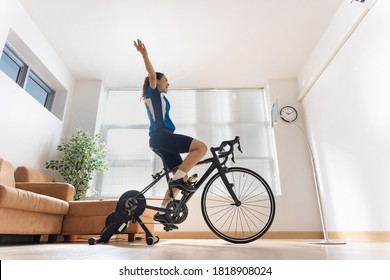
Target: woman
{"x":161,"y":131}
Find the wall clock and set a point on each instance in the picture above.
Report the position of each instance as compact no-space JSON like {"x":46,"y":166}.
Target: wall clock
{"x":288,"y":114}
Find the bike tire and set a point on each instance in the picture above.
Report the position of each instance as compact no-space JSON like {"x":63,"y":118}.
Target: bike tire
{"x":241,"y":223}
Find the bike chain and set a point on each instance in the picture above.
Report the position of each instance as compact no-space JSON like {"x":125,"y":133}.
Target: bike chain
{"x":157,"y":223}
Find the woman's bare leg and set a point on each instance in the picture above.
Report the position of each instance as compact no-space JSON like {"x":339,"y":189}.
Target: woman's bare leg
{"x":197,"y":151}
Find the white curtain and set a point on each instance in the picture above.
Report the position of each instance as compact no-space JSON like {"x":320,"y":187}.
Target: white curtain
{"x":208,"y":115}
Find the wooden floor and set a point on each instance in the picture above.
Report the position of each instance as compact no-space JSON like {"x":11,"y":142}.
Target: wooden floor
{"x":198,"y":249}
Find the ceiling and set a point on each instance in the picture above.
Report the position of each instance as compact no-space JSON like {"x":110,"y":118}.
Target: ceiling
{"x":197,"y":44}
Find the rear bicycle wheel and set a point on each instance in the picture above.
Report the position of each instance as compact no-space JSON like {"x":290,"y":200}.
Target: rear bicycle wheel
{"x":245,"y":221}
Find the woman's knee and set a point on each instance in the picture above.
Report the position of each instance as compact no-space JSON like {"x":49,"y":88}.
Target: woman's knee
{"x":203,"y":148}
{"x":199,"y":146}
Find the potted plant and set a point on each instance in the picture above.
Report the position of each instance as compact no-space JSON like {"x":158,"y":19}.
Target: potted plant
{"x":81,"y":156}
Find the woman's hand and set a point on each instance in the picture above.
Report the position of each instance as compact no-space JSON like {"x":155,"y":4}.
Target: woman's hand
{"x":148,"y":65}
{"x":141,"y":47}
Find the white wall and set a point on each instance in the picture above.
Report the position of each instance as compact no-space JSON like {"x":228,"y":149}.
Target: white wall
{"x":86,"y":103}
{"x":347,"y":118}
{"x":29,"y":133}
{"x":297,"y":207}
{"x":339,"y":29}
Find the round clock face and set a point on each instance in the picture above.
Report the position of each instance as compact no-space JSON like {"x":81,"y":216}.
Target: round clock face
{"x":288,"y":114}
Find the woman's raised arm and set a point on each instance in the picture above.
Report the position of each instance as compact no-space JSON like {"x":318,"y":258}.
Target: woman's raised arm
{"x":148,"y":65}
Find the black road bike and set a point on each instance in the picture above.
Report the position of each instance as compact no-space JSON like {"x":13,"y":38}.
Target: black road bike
{"x":237,"y":203}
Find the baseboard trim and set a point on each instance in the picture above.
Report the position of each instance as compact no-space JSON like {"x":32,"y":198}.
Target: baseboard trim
{"x":350,"y":235}
{"x":268,"y":235}
{"x":362,"y":235}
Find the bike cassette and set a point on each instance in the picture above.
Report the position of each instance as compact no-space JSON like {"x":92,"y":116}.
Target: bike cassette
{"x":131,"y":203}
{"x":177,"y":213}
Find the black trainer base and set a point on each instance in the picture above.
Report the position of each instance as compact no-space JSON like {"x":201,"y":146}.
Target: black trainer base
{"x":129,"y":209}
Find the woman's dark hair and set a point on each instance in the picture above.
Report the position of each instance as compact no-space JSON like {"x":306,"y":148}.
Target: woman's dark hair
{"x":146,"y":84}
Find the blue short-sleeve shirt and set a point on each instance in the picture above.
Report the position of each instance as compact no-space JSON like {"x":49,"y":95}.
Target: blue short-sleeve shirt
{"x":157,"y":107}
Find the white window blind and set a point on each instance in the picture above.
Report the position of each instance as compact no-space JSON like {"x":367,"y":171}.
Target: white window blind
{"x":208,"y":115}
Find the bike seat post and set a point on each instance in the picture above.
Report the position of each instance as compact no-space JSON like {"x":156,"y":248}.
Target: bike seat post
{"x":165,"y":167}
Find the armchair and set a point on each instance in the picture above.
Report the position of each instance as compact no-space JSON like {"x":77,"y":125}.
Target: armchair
{"x":28,"y":208}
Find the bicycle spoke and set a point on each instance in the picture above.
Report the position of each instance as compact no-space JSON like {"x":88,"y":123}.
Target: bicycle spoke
{"x":250,"y":194}
{"x":227,"y":218}
{"x":221,"y":188}
{"x":222,"y":210}
{"x":250,"y":221}
{"x":239,"y":218}
{"x":252,"y":216}
{"x":247,"y":190}
{"x":224,"y":198}
{"x":246,"y":220}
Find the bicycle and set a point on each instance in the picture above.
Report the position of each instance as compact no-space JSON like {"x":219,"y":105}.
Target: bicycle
{"x":237,"y":203}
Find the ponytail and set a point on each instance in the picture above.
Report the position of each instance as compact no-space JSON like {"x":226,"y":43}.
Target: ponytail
{"x":146,"y":84}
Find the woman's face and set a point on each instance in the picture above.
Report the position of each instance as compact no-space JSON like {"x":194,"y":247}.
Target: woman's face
{"x":163,"y":84}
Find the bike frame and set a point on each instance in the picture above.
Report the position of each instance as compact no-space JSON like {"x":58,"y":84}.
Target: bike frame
{"x":215,"y":164}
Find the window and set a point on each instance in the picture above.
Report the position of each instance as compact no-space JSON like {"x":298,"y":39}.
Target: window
{"x":39,"y":90}
{"x":209,"y":115}
{"x":13,"y":66}
{"x":18,"y":70}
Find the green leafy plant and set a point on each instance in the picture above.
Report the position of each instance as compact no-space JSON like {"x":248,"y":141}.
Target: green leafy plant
{"x":81,"y":156}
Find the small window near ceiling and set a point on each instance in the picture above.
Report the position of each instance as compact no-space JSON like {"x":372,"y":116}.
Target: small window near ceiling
{"x":39,"y":90}
{"x":11,"y":65}
{"x":15,"y":67}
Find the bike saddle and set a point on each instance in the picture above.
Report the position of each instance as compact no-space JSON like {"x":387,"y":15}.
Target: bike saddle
{"x":160,"y":154}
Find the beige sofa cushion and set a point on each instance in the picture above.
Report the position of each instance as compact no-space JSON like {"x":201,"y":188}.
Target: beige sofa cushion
{"x":61,"y":191}
{"x":13,"y":198}
{"x":26,"y":174}
{"x":6,"y":173}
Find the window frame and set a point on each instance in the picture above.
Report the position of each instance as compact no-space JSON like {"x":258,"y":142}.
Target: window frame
{"x":26,"y":72}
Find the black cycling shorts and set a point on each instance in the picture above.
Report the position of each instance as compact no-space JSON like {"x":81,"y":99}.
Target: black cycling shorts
{"x":170,"y":145}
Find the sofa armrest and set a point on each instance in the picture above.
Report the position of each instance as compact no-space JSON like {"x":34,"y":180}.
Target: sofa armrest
{"x":61,"y":191}
{"x":26,"y":201}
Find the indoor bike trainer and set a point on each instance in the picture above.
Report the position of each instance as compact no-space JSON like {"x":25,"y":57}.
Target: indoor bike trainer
{"x":237,"y":203}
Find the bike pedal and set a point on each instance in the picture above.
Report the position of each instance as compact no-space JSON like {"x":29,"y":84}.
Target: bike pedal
{"x":170,"y":227}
